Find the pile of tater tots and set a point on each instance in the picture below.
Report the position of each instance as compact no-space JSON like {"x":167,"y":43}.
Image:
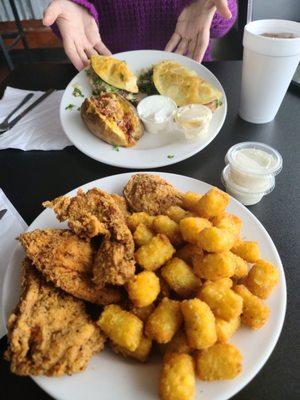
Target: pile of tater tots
{"x":197,"y":282}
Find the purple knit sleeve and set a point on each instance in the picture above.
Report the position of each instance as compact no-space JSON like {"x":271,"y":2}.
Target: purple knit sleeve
{"x":220,"y":25}
{"x":88,"y":6}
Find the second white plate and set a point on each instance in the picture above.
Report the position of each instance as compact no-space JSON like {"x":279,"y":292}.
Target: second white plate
{"x":152,"y":150}
{"x":111,"y":377}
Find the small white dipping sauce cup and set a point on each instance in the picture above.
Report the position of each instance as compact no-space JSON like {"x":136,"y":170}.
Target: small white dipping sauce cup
{"x":192,"y":120}
{"x":269,"y":64}
{"x":156,"y":112}
{"x":250,"y":171}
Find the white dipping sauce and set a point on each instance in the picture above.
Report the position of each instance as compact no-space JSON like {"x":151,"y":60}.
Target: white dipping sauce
{"x":250,"y":173}
{"x":193,"y":120}
{"x":156,"y":112}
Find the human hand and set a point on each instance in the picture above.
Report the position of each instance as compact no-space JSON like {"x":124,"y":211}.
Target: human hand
{"x":191,"y":36}
{"x":78,"y":29}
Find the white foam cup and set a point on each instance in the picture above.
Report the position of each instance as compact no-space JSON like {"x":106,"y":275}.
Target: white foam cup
{"x":268,"y":67}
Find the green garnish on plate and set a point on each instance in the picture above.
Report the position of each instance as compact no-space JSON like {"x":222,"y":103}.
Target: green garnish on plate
{"x":170,"y":156}
{"x":116,"y":148}
{"x":77,"y":92}
{"x":70,"y":107}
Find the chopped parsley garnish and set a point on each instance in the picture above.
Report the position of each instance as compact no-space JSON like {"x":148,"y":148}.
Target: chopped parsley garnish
{"x":116,"y":148}
{"x":77,"y":92}
{"x":70,"y":107}
{"x":219,"y":103}
{"x":146,"y":84}
{"x":170,"y":156}
{"x":78,"y":108}
{"x":95,"y":93}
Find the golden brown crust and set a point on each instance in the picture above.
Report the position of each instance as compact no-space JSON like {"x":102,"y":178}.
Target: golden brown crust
{"x":50,"y":332}
{"x":115,"y":72}
{"x":67,"y":261}
{"x":151,"y":193}
{"x":105,"y":128}
{"x":96,"y":213}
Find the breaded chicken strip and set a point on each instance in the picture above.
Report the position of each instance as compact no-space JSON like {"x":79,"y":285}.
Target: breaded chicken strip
{"x":66,"y":260}
{"x":96,"y":213}
{"x":151,"y":194}
{"x":50,"y":332}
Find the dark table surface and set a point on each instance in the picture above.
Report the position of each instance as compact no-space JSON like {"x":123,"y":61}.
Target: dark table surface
{"x":29,"y":178}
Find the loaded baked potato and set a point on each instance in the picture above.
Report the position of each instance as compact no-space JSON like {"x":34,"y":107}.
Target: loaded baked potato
{"x":113,"y":119}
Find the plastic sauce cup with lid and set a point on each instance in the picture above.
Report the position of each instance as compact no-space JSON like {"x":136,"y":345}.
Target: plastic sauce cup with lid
{"x":250,"y":171}
{"x":156,"y":112}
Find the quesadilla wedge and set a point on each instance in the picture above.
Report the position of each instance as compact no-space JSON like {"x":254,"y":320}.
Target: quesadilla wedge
{"x":184,"y":86}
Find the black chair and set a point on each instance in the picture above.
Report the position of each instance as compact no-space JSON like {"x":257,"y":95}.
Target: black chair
{"x":17,"y":36}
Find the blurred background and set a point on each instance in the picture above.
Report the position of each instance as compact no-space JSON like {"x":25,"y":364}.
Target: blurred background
{"x":23,"y":38}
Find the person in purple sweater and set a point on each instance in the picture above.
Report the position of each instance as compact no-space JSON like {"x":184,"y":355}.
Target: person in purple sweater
{"x":112,"y":26}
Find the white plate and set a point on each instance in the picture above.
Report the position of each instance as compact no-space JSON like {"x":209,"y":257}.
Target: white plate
{"x":152,"y":150}
{"x":111,"y":377}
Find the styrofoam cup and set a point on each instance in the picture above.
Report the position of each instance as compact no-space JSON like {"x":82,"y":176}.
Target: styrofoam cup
{"x":268,"y":67}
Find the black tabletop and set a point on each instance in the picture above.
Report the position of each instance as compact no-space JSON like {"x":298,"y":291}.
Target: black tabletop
{"x":29,"y":178}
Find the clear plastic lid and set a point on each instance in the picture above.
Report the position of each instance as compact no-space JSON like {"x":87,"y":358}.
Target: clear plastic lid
{"x":228,"y":182}
{"x":271,"y":160}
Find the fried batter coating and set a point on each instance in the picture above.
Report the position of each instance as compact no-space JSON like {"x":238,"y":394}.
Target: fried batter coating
{"x":122,"y":327}
{"x":66,"y":260}
{"x":151,"y":193}
{"x":219,"y":362}
{"x":96,"y":213}
{"x":177,"y":378}
{"x":50,"y":332}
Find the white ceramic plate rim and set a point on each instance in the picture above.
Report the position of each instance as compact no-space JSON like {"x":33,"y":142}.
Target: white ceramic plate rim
{"x":131,"y":163}
{"x":281,"y":311}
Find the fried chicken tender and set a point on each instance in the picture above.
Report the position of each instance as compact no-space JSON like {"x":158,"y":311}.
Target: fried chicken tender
{"x":66,"y":260}
{"x":50,"y":332}
{"x":96,"y":213}
{"x":151,"y":193}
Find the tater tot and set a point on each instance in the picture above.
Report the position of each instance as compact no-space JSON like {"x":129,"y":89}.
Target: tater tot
{"x":139,"y":218}
{"x":165,"y":321}
{"x":190,"y":200}
{"x":191,"y":227}
{"x":213,"y":203}
{"x":255,"y":313}
{"x":165,"y":225}
{"x":188,"y":252}
{"x":122,"y":327}
{"x":178,"y":344}
{"x":141,"y":353}
{"x":199,"y":324}
{"x":219,"y":362}
{"x":143,"y":288}
{"x":262,"y":278}
{"x":142,"y":313}
{"x":214,"y":266}
{"x":215,"y":240}
{"x":226,"y":329}
{"x":180,"y":277}
{"x":142,"y":235}
{"x":177,"y":378}
{"x":247,"y":250}
{"x":223,"y":301}
{"x":241,"y":266}
{"x":177,"y":213}
{"x":228,"y":222}
{"x":154,"y":254}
